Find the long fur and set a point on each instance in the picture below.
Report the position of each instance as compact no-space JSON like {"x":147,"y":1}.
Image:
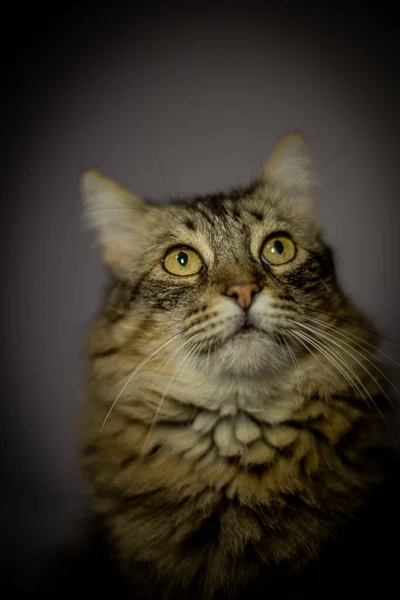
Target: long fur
{"x":223,"y":462}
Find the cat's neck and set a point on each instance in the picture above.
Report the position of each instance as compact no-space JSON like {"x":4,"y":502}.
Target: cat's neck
{"x":267,"y":398}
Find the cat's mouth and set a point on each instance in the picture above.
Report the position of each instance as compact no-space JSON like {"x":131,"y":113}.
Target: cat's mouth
{"x":246,"y":328}
{"x":245,"y":332}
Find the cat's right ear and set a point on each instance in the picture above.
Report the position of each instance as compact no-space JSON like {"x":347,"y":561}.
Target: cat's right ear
{"x":288,"y":175}
{"x":117,"y":216}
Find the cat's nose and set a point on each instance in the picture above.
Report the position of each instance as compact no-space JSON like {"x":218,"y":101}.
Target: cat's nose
{"x":243,"y":293}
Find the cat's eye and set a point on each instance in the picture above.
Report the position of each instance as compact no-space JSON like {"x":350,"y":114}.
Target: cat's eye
{"x":182,"y":261}
{"x":278,"y":250}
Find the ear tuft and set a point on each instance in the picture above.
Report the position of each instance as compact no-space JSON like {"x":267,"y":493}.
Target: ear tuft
{"x":289,"y":168}
{"x":116,"y":214}
{"x":105,"y":202}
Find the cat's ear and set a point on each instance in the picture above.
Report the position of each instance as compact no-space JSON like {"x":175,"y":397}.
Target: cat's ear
{"x":289,"y":177}
{"x":289,"y":168}
{"x":117,"y":215}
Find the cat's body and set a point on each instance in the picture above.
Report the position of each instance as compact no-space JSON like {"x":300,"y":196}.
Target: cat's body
{"x":360,"y":562}
{"x":229,"y":429}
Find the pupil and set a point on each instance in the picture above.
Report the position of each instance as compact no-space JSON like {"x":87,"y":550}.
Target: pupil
{"x":182,"y":259}
{"x":278,"y":247}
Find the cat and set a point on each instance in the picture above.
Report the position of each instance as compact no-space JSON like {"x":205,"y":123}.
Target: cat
{"x":232,"y":432}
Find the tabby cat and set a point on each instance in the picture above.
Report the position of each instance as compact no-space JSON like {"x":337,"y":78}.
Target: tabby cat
{"x":233,"y":439}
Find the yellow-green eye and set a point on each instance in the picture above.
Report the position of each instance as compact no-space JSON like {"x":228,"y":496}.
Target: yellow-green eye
{"x":278,"y":250}
{"x":182,"y":261}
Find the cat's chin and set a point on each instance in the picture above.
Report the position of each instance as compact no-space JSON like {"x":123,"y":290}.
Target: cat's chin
{"x":248,"y":353}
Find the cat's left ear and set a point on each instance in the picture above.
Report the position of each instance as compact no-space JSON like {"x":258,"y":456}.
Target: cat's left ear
{"x":120,"y":219}
{"x":288,"y":176}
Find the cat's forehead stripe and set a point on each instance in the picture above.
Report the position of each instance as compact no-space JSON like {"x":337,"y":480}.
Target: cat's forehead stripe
{"x":218,"y":210}
{"x":190,"y":224}
{"x":208,"y":216}
{"x":257,"y":214}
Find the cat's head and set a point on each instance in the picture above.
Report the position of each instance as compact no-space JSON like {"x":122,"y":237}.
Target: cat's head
{"x":232,"y":276}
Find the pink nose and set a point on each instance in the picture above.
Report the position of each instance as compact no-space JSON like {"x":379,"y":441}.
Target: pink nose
{"x":243,"y":293}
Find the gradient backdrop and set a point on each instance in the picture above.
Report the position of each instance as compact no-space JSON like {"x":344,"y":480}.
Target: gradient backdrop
{"x":196,"y":99}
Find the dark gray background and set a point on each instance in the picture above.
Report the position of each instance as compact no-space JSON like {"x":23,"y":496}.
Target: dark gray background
{"x":209,"y":91}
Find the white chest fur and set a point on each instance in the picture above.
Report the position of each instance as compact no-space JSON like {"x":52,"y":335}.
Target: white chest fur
{"x":230,"y":415}
{"x":233,"y":433}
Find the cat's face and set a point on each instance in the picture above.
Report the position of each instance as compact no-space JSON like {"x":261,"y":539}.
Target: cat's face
{"x":230,"y":276}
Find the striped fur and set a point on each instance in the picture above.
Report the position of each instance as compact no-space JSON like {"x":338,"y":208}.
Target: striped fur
{"x":217,"y":458}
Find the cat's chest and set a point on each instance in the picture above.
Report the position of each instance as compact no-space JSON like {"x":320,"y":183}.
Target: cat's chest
{"x":233,"y":420}
{"x":234,"y":432}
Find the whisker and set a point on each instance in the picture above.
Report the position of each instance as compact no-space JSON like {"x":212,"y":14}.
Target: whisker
{"x":331,"y":339}
{"x":346,"y":320}
{"x":135,"y":371}
{"x":324,"y":284}
{"x":292,"y":354}
{"x":319,"y":346}
{"x":180,"y":365}
{"x":177,"y":350}
{"x":361,"y":353}
{"x":161,"y":171}
{"x":349,"y":336}
{"x":303,"y":177}
{"x":158,"y":333}
{"x":294,"y":359}
{"x":348,"y":373}
{"x":324,"y":366}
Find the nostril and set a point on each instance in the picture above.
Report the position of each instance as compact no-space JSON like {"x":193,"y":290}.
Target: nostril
{"x":243,"y":293}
